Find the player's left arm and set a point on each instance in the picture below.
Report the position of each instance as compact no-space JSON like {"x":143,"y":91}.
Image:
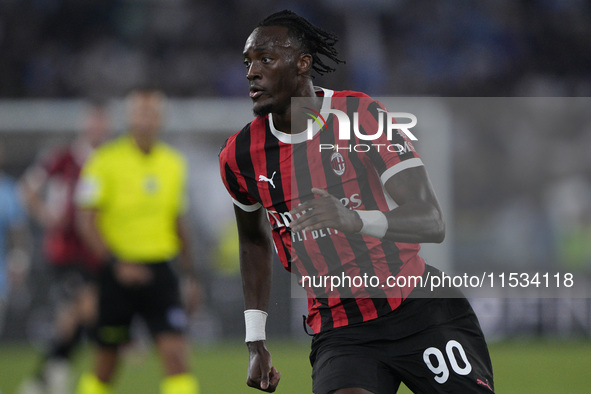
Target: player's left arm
{"x":417,"y":219}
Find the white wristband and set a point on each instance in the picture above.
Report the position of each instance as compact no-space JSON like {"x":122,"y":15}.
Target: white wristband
{"x":255,"y":321}
{"x":375,"y":223}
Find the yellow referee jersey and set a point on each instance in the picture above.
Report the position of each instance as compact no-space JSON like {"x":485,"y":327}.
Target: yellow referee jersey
{"x":138,"y":196}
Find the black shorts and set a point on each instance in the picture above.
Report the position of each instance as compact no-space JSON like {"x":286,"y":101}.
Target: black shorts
{"x":67,"y":281}
{"x":158,"y":303}
{"x":446,"y":354}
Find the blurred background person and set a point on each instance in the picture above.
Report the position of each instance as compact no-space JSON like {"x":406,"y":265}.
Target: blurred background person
{"x":14,"y":239}
{"x":132,"y":200}
{"x":48,"y":188}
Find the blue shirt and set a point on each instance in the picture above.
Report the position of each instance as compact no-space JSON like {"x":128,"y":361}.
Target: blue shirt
{"x":11,"y":215}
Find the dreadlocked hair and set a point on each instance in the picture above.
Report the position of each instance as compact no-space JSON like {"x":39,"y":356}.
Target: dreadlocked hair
{"x":313,"y":39}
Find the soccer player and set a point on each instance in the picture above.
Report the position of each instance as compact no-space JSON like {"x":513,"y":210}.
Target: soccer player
{"x":132,"y":200}
{"x":48,"y":188}
{"x":341,"y":211}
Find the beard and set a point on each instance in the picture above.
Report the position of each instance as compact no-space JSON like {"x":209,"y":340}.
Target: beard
{"x":262,"y":110}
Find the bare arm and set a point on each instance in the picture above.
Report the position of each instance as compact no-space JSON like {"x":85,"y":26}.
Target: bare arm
{"x":256,"y":269}
{"x":255,"y":258}
{"x":87,"y":225}
{"x":417,"y":218}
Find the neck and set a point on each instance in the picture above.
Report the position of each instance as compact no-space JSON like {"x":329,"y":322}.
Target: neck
{"x":292,"y":119}
{"x":145,"y":144}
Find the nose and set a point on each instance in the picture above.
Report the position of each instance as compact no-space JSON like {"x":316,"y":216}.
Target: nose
{"x":253,"y":72}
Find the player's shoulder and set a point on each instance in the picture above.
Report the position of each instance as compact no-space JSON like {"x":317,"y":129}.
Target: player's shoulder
{"x":170,"y":151}
{"x":171,"y":158}
{"x":235,"y":145}
{"x":54,"y":156}
{"x":108,"y":152}
{"x":350,"y":93}
{"x":116,"y":144}
{"x":228,"y":149}
{"x":58,"y":152}
{"x":363,"y":100}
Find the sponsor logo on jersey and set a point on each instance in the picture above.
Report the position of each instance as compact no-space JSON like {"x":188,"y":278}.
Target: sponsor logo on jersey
{"x":263,"y":178}
{"x":283,"y":219}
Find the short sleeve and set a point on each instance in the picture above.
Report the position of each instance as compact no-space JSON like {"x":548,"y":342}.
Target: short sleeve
{"x":234,"y":181}
{"x":12,"y":210}
{"x":389,"y":156}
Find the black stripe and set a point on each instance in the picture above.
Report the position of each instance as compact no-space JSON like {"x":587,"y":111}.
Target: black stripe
{"x":302,"y":180}
{"x":234,"y":186}
{"x":390,"y":249}
{"x":358,"y":245}
{"x":273,"y":161}
{"x":244,"y":162}
{"x":373,"y":154}
{"x":326,"y":244}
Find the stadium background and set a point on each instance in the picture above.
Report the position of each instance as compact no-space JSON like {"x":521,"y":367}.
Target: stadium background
{"x":516,"y":197}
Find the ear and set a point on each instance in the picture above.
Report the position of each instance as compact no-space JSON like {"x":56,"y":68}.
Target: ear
{"x":304,"y":63}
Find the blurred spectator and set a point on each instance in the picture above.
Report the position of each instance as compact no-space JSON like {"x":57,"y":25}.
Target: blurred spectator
{"x":14,"y":254}
{"x":48,"y":187}
{"x":65,"y":48}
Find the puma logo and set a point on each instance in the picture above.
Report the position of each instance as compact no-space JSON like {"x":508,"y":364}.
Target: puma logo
{"x":486,"y":384}
{"x":270,"y":180}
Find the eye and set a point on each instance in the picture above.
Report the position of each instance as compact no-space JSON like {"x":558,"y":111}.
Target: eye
{"x":266,"y":59}
{"x":246,"y":63}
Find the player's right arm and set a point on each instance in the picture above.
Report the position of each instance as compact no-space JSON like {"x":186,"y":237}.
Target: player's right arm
{"x":256,"y":269}
{"x":254,"y":238}
{"x":88,"y":226}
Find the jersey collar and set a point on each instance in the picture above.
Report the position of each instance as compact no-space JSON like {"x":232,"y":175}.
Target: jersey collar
{"x":301,"y":137}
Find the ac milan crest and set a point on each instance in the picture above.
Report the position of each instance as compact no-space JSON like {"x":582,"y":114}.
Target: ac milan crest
{"x":337,"y":161}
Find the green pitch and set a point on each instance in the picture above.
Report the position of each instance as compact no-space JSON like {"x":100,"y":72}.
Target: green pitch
{"x":520,"y":367}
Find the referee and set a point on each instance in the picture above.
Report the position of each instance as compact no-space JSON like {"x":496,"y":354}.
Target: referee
{"x":132,"y":198}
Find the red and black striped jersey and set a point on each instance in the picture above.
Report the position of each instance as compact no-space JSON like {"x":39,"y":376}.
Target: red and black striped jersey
{"x":263,"y":167}
{"x":62,"y":243}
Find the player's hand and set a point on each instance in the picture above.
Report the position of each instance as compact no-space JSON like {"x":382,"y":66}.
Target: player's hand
{"x":132,"y":274}
{"x":261,"y":374}
{"x":324,"y":211}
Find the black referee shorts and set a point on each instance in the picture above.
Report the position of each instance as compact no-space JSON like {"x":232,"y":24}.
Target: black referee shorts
{"x":441,"y":350}
{"x":158,"y":303}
